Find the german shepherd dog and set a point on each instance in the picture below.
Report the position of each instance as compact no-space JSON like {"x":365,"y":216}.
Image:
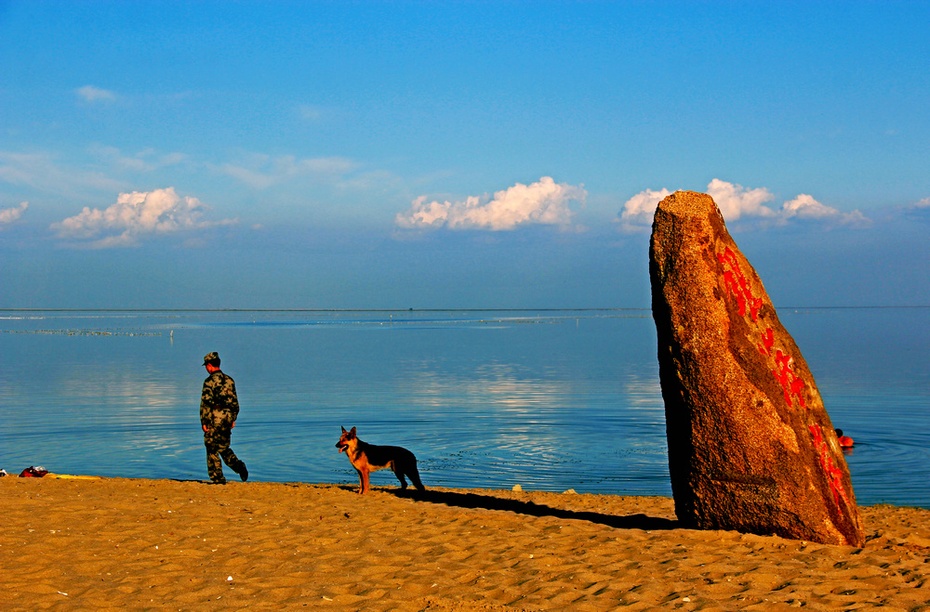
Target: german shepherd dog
{"x":367,"y":458}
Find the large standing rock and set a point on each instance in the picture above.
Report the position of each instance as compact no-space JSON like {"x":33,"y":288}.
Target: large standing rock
{"x":750,"y":445}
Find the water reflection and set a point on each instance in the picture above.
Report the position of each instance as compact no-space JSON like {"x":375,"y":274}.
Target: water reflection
{"x":550,"y":400}
{"x":498,"y":385}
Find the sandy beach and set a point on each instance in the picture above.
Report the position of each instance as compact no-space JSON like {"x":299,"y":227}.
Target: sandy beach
{"x":160,"y":544}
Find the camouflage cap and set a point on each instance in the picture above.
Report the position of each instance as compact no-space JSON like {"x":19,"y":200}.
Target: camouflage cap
{"x":213,"y":358}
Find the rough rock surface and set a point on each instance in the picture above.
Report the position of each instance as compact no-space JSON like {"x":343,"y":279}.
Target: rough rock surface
{"x":750,"y":445}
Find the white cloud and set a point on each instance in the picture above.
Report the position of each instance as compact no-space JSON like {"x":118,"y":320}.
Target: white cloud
{"x":43,"y":172}
{"x":89,"y":93}
{"x":134,"y":216}
{"x":639,"y":210}
{"x":544,"y":202}
{"x":737,"y":202}
{"x":805,"y":206}
{"x":146,"y":160}
{"x":263,"y":171}
{"x":919,"y":210}
{"x":9,"y":215}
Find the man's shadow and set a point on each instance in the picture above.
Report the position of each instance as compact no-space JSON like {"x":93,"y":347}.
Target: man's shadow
{"x":489,"y":502}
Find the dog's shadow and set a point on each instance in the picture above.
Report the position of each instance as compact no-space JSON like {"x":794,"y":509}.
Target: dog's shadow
{"x":489,"y":502}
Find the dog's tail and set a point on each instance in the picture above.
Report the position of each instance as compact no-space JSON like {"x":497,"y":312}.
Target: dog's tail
{"x":414,"y":475}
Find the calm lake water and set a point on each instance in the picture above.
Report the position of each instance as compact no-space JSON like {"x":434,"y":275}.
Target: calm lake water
{"x":550,"y":400}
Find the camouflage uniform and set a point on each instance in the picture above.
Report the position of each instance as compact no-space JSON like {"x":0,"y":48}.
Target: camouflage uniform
{"x":219,"y":408}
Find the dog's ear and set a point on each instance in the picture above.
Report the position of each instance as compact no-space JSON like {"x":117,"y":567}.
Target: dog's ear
{"x":352,"y":432}
{"x":344,"y":429}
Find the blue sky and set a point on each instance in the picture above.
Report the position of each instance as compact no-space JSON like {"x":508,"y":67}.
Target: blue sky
{"x":454,"y":154}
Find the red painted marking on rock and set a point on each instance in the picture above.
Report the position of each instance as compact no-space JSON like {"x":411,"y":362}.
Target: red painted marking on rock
{"x":738,"y":285}
{"x":834,"y":474}
{"x":792,"y":385}
{"x":768,"y":341}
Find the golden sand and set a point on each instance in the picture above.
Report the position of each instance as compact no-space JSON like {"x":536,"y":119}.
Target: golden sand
{"x":113,"y":543}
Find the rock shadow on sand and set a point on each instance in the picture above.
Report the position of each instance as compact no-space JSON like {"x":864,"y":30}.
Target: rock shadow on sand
{"x":472,"y":501}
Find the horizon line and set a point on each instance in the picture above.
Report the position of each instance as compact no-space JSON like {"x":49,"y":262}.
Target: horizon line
{"x":429,"y":309}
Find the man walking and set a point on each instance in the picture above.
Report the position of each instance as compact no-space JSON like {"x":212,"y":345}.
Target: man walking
{"x":219,"y":408}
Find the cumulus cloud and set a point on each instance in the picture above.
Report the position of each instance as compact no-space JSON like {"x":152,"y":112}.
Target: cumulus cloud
{"x":135,"y":216}
{"x":9,"y":215}
{"x":91,"y":94}
{"x":544,"y":202}
{"x":804,"y":206}
{"x":918,"y":211}
{"x":639,"y":210}
{"x":738,"y":202}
